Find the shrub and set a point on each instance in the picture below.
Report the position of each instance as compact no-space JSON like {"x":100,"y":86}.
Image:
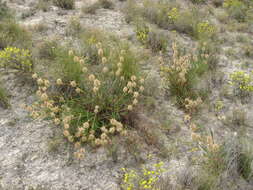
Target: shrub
{"x":48,"y":50}
{"x":65,"y":4}
{"x":236,"y":9}
{"x":157,"y":12}
{"x":198,"y":1}
{"x":4,"y":102}
{"x":148,"y":179}
{"x":90,"y":9}
{"x":90,"y":101}
{"x":132,"y":11}
{"x":205,"y":30}
{"x":12,"y":57}
{"x":152,"y":38}
{"x":12,"y":34}
{"x":181,"y":75}
{"x":43,"y":5}
{"x":74,"y":27}
{"x":242,"y":83}
{"x":106,"y":4}
{"x":4,"y":11}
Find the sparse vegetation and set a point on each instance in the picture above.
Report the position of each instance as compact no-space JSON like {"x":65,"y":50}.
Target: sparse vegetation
{"x":65,"y":4}
{"x":102,"y":74}
{"x":4,"y":102}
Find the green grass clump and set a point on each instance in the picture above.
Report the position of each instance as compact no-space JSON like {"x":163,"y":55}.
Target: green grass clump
{"x":4,"y":102}
{"x":65,"y":4}
{"x":182,"y":74}
{"x":239,"y":10}
{"x":106,"y":4}
{"x":4,"y":11}
{"x":12,"y":34}
{"x":90,"y":101}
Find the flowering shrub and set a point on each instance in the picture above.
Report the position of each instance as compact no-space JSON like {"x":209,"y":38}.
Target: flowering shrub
{"x":242,"y":82}
{"x":205,"y":30}
{"x":89,"y":104}
{"x":180,"y":76}
{"x":173,"y":14}
{"x":142,"y":33}
{"x":146,"y":180}
{"x":12,"y":57}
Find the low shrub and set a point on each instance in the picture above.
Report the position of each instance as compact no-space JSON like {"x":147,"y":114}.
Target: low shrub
{"x":4,"y":11}
{"x":237,"y":9}
{"x":152,"y":38}
{"x":12,"y":34}
{"x":242,"y":83}
{"x":12,"y":57}
{"x":106,"y":4}
{"x":74,"y":27}
{"x":65,"y":4}
{"x":147,"y":179}
{"x":48,"y":49}
{"x":90,"y":101}
{"x":4,"y":102}
{"x":181,"y":75}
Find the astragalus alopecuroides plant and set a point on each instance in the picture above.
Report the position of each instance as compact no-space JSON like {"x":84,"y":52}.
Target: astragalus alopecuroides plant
{"x":180,"y":76}
{"x":92,"y":109}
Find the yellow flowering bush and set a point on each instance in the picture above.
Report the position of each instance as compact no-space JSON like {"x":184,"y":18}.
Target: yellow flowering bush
{"x":205,"y":30}
{"x":147,"y":179}
{"x":173,"y":14}
{"x":142,"y":33}
{"x":12,"y":57}
{"x":91,"y":101}
{"x":242,"y":82}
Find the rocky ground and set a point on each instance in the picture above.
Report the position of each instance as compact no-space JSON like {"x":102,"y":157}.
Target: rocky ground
{"x":26,"y":161}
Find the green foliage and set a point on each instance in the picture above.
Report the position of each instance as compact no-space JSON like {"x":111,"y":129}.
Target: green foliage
{"x":12,"y":57}
{"x":90,"y":100}
{"x":43,"y":5}
{"x":158,"y":12}
{"x":4,"y":102}
{"x":182,"y":74}
{"x":4,"y":11}
{"x":205,"y":30}
{"x":151,"y":38}
{"x":48,"y":49}
{"x":106,"y":4}
{"x":12,"y":34}
{"x":91,"y":9}
{"x":198,"y":1}
{"x":65,"y":4}
{"x":237,"y":9}
{"x":242,"y":83}
{"x":74,"y":27}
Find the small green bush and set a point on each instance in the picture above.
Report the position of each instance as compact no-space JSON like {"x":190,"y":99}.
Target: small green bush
{"x":152,"y":38}
{"x":65,"y":4}
{"x":12,"y":34}
{"x":48,"y":49}
{"x":90,"y":9}
{"x":237,"y":9}
{"x":4,"y":102}
{"x":4,"y":11}
{"x":90,"y":101}
{"x":106,"y":4}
